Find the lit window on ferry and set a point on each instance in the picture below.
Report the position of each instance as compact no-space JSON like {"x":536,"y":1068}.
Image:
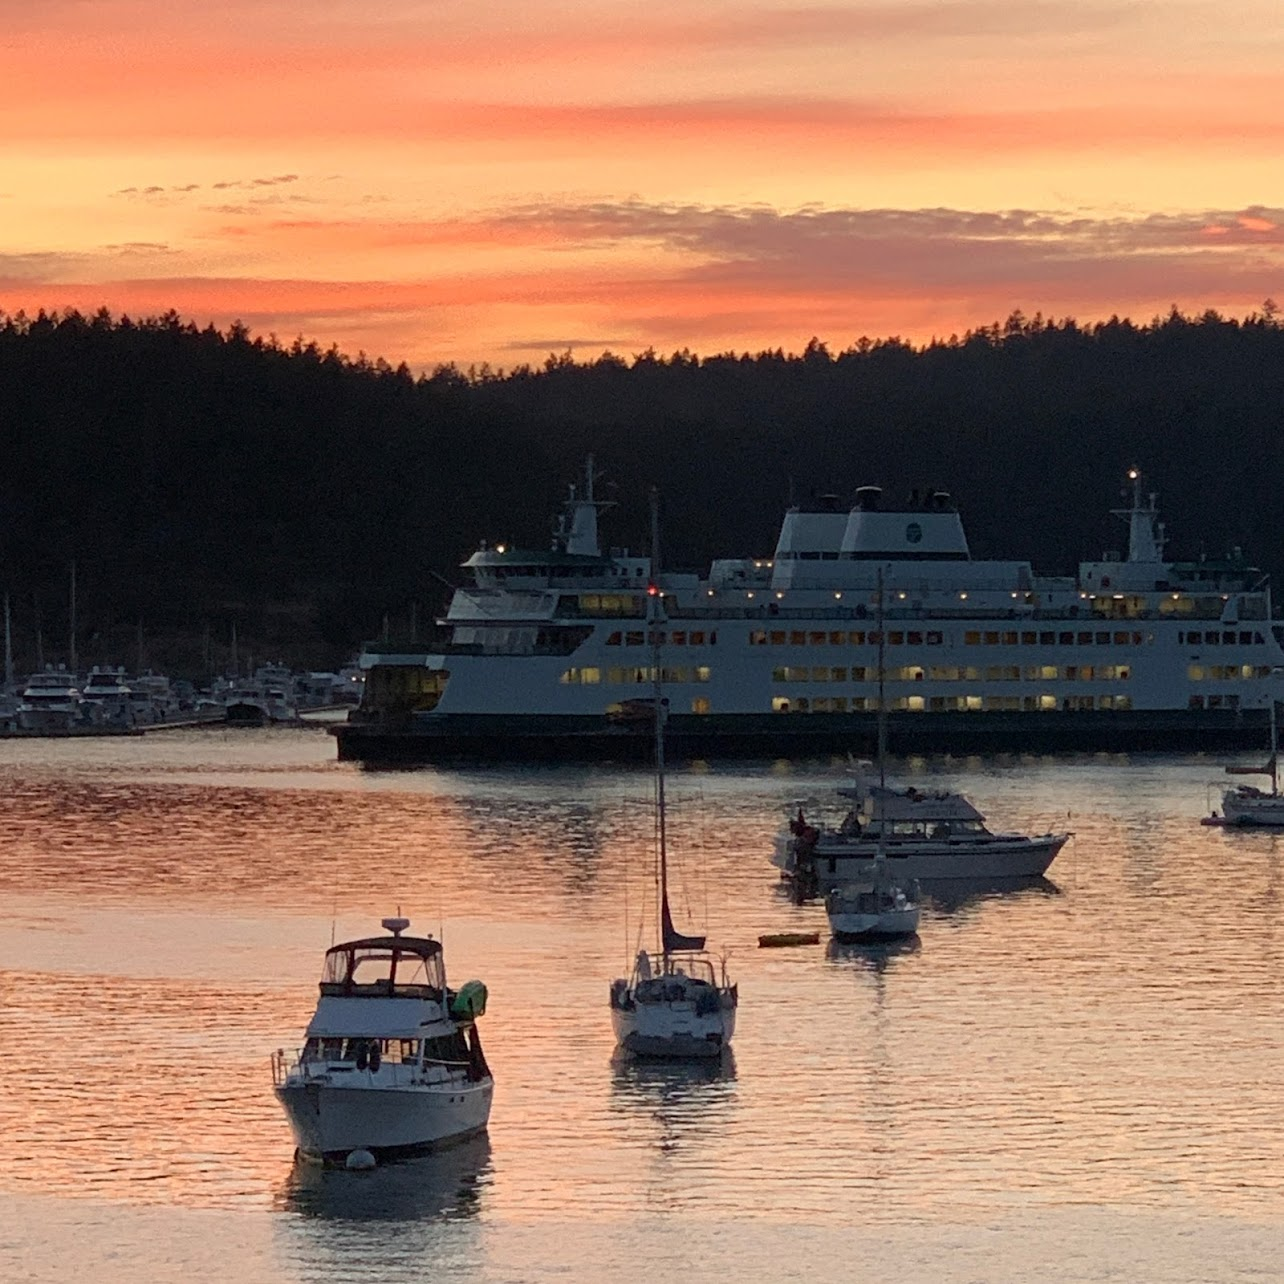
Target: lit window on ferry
{"x":758,"y":637}
{"x":778,"y":637}
{"x":972,"y":702}
{"x":1195,"y":672}
{"x":700,"y":704}
{"x":837,"y":639}
{"x":1047,"y":702}
{"x":816,"y":639}
{"x":971,"y":638}
{"x":857,"y":639}
{"x":702,"y":673}
{"x":819,"y":674}
{"x":677,"y":639}
{"x":697,"y":638}
{"x":797,"y":639}
{"x":916,"y":704}
{"x":780,"y":704}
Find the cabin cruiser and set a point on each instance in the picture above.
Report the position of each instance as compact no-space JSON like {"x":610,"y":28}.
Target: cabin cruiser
{"x":50,"y":703}
{"x":107,"y":697}
{"x":265,"y":698}
{"x":925,"y":834}
{"x":392,"y":1063}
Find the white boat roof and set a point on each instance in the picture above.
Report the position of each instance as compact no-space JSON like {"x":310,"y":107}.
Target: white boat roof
{"x":340,"y":1017}
{"x":916,"y":804}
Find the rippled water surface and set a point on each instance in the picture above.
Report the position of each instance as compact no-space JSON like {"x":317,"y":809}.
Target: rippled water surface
{"x":1081,"y":1079}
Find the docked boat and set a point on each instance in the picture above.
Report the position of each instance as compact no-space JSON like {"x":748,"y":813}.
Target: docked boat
{"x":264,"y":699}
{"x":673,"y":1004}
{"x":543,"y":652}
{"x":392,"y":1064}
{"x":107,"y":697}
{"x":928,"y":835}
{"x":50,"y":703}
{"x":1250,"y":805}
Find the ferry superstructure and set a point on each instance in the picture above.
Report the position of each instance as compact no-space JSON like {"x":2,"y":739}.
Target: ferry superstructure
{"x":548,"y":651}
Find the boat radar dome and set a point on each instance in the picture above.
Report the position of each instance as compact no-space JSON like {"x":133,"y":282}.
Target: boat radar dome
{"x":394,"y":925}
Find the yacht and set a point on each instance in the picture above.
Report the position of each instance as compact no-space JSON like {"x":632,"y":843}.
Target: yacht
{"x":925,"y":834}
{"x":673,"y":1004}
{"x":392,"y":1063}
{"x":107,"y":697}
{"x":544,"y":652}
{"x":50,"y":703}
{"x":265,"y":698}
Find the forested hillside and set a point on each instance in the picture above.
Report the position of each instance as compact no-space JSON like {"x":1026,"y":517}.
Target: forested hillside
{"x":200,"y":479}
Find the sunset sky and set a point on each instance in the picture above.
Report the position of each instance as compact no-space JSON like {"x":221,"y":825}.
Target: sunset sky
{"x":432,"y":180}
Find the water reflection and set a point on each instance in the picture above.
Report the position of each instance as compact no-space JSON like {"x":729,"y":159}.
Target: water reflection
{"x":875,"y":956}
{"x":447,"y":1185}
{"x":955,"y":895}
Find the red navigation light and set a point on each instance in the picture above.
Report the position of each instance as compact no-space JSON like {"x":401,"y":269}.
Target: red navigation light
{"x":652,"y":590}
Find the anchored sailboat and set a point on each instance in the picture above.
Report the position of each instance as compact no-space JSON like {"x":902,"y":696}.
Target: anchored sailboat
{"x":1247,"y":804}
{"x":673,"y":1005}
{"x":879,"y":905}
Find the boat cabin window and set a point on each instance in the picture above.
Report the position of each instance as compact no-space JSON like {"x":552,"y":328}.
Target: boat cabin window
{"x":383,"y":969}
{"x":393,"y":1051}
{"x":697,"y":969}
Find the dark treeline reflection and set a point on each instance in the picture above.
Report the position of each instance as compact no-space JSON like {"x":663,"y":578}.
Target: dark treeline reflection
{"x":201,"y":479}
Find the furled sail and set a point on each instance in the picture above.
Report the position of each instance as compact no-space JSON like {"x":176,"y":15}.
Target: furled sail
{"x":673,"y":939}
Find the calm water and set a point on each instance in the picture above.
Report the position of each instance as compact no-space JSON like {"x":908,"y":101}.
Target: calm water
{"x":1079,"y":1080}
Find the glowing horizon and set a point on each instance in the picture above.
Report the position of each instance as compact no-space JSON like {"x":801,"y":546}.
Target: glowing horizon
{"x":438,"y":184}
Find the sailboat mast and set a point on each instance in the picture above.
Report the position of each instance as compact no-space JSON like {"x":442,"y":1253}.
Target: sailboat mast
{"x":1275,"y":750}
{"x":654,"y":618}
{"x":882,"y":688}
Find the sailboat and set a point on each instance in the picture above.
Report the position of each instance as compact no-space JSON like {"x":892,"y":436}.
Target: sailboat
{"x":1247,"y":804}
{"x":673,"y":1004}
{"x":879,"y":905}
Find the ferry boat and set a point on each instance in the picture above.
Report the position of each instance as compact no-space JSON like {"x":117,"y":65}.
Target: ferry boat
{"x":547,"y":652}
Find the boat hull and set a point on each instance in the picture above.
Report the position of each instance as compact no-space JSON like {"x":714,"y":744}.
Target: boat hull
{"x":438,"y":737}
{"x":329,"y":1122}
{"x":884,"y":925}
{"x":836,"y":863}
{"x":1263,"y":813}
{"x":673,"y":1030}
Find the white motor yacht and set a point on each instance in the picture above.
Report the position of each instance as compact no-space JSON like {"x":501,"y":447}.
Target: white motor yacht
{"x":107,"y":697}
{"x":392,"y":1064}
{"x":926,"y":835}
{"x":50,"y":703}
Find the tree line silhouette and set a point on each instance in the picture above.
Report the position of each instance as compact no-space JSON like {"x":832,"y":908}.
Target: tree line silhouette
{"x":202,"y":479}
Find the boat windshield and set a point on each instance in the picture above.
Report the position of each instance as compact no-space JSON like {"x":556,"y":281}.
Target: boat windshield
{"x":379,"y":968}
{"x":693,"y":966}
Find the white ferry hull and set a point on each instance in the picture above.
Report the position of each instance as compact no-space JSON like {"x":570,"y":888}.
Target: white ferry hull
{"x":673,"y":1030}
{"x":328,"y":1122}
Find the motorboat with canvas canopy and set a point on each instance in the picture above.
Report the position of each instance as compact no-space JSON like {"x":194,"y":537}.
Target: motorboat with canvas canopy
{"x":392,"y":1063}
